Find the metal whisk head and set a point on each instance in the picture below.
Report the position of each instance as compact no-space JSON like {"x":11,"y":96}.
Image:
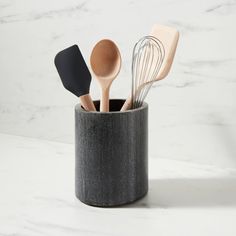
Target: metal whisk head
{"x":148,"y":55}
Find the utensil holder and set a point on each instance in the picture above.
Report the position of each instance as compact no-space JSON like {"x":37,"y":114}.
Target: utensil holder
{"x":111,"y":155}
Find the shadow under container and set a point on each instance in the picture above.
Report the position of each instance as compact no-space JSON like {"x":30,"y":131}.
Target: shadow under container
{"x":111,"y":155}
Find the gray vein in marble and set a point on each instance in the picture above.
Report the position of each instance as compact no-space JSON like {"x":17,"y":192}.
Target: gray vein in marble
{"x":2,"y":6}
{"x":49,"y":14}
{"x":12,"y":234}
{"x":205,"y":120}
{"x":56,"y":36}
{"x":34,"y":110}
{"x":182,"y":84}
{"x":214,"y":8}
{"x":225,"y":6}
{"x":67,"y":228}
{"x":206,"y":63}
{"x":34,"y":230}
{"x":62,"y":202}
{"x":192,"y":73}
{"x":8,"y":19}
{"x":185,"y":27}
{"x":81,"y":7}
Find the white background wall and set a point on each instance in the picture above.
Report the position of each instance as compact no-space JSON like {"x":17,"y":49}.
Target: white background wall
{"x":192,"y":113}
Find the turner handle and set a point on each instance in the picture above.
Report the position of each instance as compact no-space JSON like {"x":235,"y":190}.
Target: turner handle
{"x":127,"y":105}
{"x":87,"y":102}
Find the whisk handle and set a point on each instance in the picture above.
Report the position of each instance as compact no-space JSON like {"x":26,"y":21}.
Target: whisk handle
{"x":127,"y":105}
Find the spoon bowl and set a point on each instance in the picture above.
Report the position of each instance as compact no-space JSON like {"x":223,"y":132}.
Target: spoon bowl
{"x":105,"y":62}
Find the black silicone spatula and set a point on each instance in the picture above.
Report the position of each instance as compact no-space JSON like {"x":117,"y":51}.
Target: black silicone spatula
{"x":75,"y":75}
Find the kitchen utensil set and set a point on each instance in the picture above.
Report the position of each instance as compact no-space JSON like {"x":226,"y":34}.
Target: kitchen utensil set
{"x":152,"y":59}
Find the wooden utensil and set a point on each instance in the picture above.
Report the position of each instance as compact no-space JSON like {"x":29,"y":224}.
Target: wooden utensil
{"x":75,"y":75}
{"x":169,"y":38}
{"x":105,"y":62}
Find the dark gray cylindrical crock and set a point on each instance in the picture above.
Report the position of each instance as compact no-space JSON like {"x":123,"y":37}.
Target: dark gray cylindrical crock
{"x":111,"y":153}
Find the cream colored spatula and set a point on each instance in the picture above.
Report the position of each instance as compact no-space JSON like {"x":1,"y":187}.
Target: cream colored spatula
{"x":169,"y":38}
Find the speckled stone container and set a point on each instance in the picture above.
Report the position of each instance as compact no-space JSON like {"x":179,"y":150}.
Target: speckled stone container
{"x":111,"y":155}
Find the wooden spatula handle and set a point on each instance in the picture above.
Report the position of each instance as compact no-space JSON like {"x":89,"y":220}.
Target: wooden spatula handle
{"x":87,"y":102}
{"x":127,"y":105}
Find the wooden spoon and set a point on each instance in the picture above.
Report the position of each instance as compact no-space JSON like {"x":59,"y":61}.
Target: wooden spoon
{"x":105,"y":62}
{"x":169,"y":37}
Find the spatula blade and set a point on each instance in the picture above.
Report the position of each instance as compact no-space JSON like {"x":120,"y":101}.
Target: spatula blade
{"x":169,"y":37}
{"x":73,"y":71}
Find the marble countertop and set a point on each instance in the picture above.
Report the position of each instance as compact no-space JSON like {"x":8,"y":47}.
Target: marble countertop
{"x":37,"y":196}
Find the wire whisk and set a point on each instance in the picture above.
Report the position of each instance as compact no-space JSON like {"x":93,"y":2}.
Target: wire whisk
{"x":148,"y":56}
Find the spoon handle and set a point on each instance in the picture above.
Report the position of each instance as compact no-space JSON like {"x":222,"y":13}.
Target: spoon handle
{"x":104,"y":105}
{"x":87,"y":102}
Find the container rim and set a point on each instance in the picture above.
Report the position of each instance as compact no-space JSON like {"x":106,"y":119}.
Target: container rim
{"x":78,"y":107}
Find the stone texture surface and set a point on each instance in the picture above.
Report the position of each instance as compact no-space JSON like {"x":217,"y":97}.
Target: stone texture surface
{"x":111,"y":155}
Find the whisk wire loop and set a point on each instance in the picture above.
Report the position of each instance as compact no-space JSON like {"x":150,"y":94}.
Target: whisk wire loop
{"x":148,"y":56}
